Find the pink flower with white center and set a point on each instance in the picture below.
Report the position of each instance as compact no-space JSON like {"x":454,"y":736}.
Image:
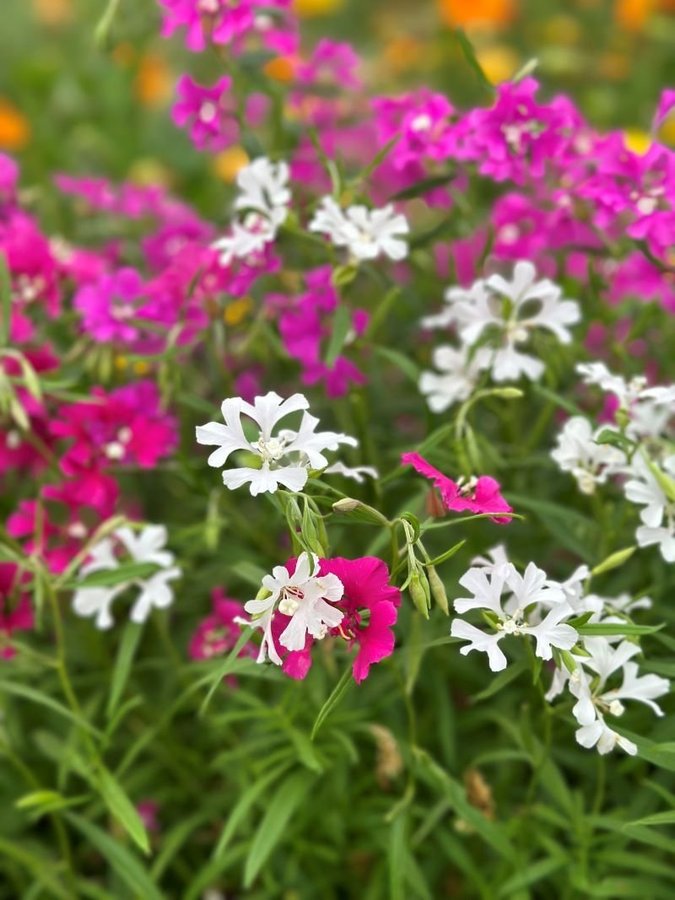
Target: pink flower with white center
{"x":478,"y":495}
{"x":219,"y":632}
{"x":232,"y":23}
{"x":31,"y":262}
{"x":207,"y":113}
{"x":368,"y":607}
{"x":109,"y":306}
{"x":422,"y":124}
{"x":125,"y":426}
{"x":16,"y":612}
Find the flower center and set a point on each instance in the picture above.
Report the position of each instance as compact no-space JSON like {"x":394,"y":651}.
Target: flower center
{"x":271,"y":450}
{"x":290,"y":601}
{"x":208,"y":111}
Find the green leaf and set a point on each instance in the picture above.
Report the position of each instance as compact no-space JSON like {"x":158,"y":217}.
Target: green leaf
{"x":125,"y":656}
{"x":111,"y":577}
{"x":614,"y":560}
{"x":424,"y":186}
{"x":402,"y":362}
{"x":663,"y":818}
{"x":226,"y":667}
{"x":121,"y":807}
{"x":279,"y":812}
{"x":534,"y":871}
{"x":398,"y":853}
{"x":447,"y":555}
{"x":342,"y":322}
{"x":40,"y":867}
{"x":248,"y":572}
{"x":332,"y":702}
{"x":5,"y":300}
{"x":470,"y":56}
{"x":502,"y":679}
{"x":123,"y":862}
{"x":618,"y":628}
{"x":42,"y":699}
{"x":245,"y":802}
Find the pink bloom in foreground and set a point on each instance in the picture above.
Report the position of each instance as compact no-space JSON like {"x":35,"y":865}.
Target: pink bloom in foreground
{"x":16,"y":613}
{"x":369,"y":605}
{"x":481,"y":495}
{"x":206,"y":112}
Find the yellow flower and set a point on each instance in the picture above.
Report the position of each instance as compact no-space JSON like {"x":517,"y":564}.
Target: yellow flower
{"x":154,"y":81}
{"x":226,"y":165}
{"x":498,"y":61}
{"x":636,"y":140}
{"x":14,"y":127}
{"x":53,"y":12}
{"x":237,"y":311}
{"x":309,"y":8}
{"x":149,"y":171}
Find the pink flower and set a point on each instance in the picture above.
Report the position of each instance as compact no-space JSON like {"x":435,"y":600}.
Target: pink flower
{"x":31,"y":263}
{"x":664,"y":108}
{"x":481,"y":495}
{"x":207,"y":112}
{"x":125,"y":426}
{"x":370,"y":609}
{"x":16,"y":613}
{"x":147,"y":810}
{"x":9,"y":176}
{"x":108,"y":305}
{"x":218,"y":633}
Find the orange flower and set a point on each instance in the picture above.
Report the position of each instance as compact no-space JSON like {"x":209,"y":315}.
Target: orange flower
{"x":53,"y":12}
{"x":227,"y":163}
{"x":281,"y":68}
{"x":632,"y":14}
{"x":496,"y":13}
{"x":153,"y":82}
{"x":14,"y":127}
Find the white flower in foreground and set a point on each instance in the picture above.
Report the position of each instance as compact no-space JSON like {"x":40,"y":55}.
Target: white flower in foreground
{"x":285,"y":457}
{"x":356,"y":473}
{"x":458,"y":374}
{"x":600,"y":735}
{"x":590,"y":463}
{"x":262,"y":205}
{"x":658,"y":515}
{"x":531,"y":607}
{"x":366,"y":233}
{"x":305,"y":597}
{"x":146,"y":546}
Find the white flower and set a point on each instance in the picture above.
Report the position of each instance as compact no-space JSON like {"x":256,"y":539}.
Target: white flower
{"x":505,"y":313}
{"x":305,"y":597}
{"x":600,"y":735}
{"x":649,"y":409}
{"x":577,"y":452}
{"x":146,"y":546}
{"x":285,"y":457}
{"x":519,"y":614}
{"x":365,"y":233}
{"x":658,"y":515}
{"x":357,"y":473}
{"x":459,"y":373}
{"x":495,"y":556}
{"x":262,"y":206}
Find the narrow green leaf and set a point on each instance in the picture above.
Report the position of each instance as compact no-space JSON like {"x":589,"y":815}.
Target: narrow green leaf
{"x":332,"y":702}
{"x":398,"y":853}
{"x":226,"y":667}
{"x":342,"y":322}
{"x":279,"y":812}
{"x":447,"y":555}
{"x":111,"y":577}
{"x":663,"y":818}
{"x":125,"y":655}
{"x":5,"y":300}
{"x":123,"y":862}
{"x":121,"y":808}
{"x":502,"y":679}
{"x":245,"y":802}
{"x":618,"y":628}
{"x":402,"y":362}
{"x":42,"y":699}
{"x":470,"y":56}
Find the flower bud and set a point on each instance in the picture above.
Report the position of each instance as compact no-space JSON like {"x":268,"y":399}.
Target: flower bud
{"x":355,"y":509}
{"x":438,"y":590}
{"x":419,"y":592}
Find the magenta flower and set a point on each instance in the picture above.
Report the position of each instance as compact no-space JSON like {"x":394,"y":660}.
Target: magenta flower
{"x":109,"y":305}
{"x":9,"y":176}
{"x":481,"y":495}
{"x":369,"y":605}
{"x":125,"y":426}
{"x":206,"y":112}
{"x":16,"y":613}
{"x":218,"y":633}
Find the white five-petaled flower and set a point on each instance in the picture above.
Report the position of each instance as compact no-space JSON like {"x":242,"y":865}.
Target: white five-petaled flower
{"x":366,"y":233}
{"x":505,"y":313}
{"x":262,"y":207}
{"x":285,"y":456}
{"x":588,"y":684}
{"x":457,"y":376}
{"x":146,"y":546}
{"x":589,"y":462}
{"x":532,"y":606}
{"x":658,"y":515}
{"x":305,"y":597}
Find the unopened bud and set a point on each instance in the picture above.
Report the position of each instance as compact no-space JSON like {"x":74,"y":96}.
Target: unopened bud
{"x":419,"y":592}
{"x":355,"y":509}
{"x":438,"y":590}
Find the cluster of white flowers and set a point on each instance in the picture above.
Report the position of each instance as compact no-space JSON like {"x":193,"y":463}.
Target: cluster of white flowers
{"x":262,"y":208}
{"x":492,"y":319}
{"x":590,"y":666}
{"x":284,"y":458}
{"x":643,"y":419}
{"x":146,"y":546}
{"x":306,"y":597}
{"x":366,"y":233}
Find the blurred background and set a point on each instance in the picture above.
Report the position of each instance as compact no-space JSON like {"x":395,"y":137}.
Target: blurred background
{"x":71,"y":103}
